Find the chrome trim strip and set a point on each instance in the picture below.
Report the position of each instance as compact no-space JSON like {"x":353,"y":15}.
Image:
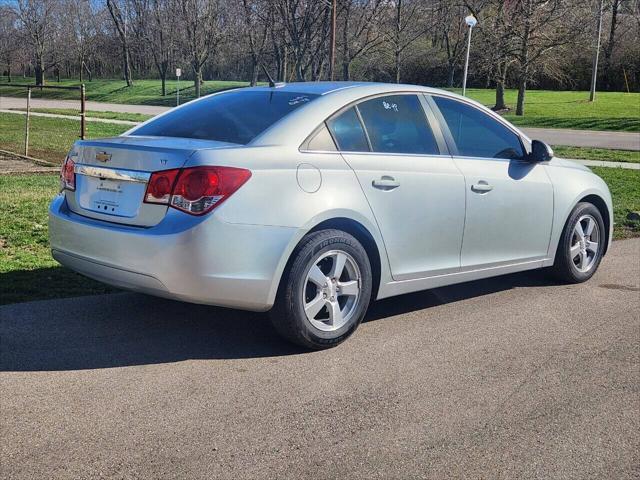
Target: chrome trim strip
{"x":112,"y":173}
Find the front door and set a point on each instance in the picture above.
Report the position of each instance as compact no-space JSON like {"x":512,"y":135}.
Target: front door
{"x":509,"y":201}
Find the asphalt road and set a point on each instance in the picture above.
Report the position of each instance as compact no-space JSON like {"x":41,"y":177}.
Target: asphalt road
{"x":515,"y":377}
{"x":576,"y":138}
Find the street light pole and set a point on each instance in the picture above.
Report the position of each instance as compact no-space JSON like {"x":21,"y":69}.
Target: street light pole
{"x":594,"y":71}
{"x":471,"y":21}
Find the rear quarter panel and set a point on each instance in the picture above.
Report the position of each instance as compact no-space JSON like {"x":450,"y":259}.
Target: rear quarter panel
{"x":274,"y":195}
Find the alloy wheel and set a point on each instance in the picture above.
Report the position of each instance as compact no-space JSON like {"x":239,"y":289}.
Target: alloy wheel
{"x":585,"y":241}
{"x":331,"y":290}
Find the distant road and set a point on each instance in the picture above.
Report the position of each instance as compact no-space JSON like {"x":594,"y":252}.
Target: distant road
{"x":586,"y":138}
{"x":575,"y":138}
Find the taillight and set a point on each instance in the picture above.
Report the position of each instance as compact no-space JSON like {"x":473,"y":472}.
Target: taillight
{"x":160,"y":186}
{"x":195,"y":190}
{"x":68,"y":175}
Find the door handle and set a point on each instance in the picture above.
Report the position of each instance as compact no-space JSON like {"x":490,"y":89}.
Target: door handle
{"x":386,"y":183}
{"x":481,"y":187}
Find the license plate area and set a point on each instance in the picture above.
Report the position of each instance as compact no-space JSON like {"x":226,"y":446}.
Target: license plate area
{"x":110,"y":191}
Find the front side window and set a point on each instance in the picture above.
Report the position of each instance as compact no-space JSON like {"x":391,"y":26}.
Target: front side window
{"x":232,"y":117}
{"x":397,"y":124}
{"x":476,"y":134}
{"x":347,"y":131}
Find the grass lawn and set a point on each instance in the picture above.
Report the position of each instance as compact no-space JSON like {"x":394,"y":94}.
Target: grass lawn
{"x":131,"y":117}
{"x":565,"y":109}
{"x":587,"y":153}
{"x":27,"y":271}
{"x":624,"y":185}
{"x":49,"y":138}
{"x":143,"y":92}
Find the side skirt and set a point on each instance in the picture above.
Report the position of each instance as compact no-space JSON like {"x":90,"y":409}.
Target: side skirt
{"x":391,"y":289}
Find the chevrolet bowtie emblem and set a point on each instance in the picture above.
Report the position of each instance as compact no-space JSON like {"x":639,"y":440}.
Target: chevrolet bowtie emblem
{"x":103,"y":156}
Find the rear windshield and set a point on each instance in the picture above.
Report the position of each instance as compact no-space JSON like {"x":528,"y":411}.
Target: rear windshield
{"x":233,"y":117}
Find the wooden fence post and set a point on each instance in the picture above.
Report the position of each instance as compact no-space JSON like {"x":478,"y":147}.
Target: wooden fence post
{"x":82,"y":112}
{"x":26,"y":124}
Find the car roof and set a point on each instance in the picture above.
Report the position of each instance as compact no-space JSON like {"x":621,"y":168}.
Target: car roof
{"x":325,"y":88}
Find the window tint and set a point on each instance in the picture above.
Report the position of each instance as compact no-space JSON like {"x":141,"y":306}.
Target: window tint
{"x":321,"y":141}
{"x":476,"y":134}
{"x":348,"y":132}
{"x":234,"y":117}
{"x":397,"y":124}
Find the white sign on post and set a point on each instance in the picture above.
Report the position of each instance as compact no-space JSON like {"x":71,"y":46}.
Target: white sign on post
{"x":178,"y":73}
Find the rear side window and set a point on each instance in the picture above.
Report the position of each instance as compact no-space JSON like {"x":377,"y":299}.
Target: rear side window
{"x":233,"y":117}
{"x":347,"y":131}
{"x":397,"y":124}
{"x":477,"y":134}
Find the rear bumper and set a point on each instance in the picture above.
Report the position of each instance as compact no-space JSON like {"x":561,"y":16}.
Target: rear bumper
{"x":194,"y":259}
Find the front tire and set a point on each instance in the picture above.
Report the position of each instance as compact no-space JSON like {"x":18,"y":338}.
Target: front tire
{"x":581,"y":245}
{"x":325,"y":291}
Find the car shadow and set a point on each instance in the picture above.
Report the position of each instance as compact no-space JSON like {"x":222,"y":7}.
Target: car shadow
{"x":126,"y":329}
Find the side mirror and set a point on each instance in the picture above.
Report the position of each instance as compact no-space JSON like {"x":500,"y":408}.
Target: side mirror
{"x":540,"y":152}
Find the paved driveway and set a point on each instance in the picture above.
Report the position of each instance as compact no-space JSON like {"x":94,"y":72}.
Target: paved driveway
{"x":514,"y":377}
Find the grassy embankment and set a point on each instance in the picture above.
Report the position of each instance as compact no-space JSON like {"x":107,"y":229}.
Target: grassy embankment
{"x":27,"y":271}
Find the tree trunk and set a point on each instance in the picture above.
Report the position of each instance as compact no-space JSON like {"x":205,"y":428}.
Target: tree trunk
{"x":81,"y":70}
{"x":397,"y":65}
{"x":451,"y":76}
{"x":346,"y":70}
{"x":163,"y":80}
{"x":40,"y":72}
{"x":197,"y":80}
{"x":9,"y":71}
{"x":608,"y":50}
{"x":522,"y":90}
{"x":500,"y":105}
{"x":254,"y":73}
{"x":126,"y":65}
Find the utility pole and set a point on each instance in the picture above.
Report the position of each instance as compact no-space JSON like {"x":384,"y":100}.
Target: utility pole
{"x":596,"y":56}
{"x":332,"y":57}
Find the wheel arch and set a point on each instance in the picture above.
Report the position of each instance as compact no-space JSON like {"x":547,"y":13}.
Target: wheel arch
{"x":362,"y":234}
{"x":369,"y":239}
{"x":601,"y":205}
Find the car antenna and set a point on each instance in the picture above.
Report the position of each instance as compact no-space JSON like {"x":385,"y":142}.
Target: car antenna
{"x":272,"y":84}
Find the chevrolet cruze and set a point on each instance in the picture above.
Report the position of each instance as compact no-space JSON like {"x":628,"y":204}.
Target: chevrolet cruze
{"x":313,"y":199}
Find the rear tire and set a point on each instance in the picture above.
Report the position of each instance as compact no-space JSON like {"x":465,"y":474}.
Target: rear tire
{"x":325,"y":291}
{"x":581,"y":245}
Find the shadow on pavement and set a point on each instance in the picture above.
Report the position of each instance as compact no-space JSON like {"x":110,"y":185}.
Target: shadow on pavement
{"x":128,"y":329}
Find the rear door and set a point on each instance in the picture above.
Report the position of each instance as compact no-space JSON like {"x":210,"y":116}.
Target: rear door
{"x":509,"y":201}
{"x":415,"y":190}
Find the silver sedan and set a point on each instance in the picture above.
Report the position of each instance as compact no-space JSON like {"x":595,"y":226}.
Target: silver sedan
{"x":313,"y":199}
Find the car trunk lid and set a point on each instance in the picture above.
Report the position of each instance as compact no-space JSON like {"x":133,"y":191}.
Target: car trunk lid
{"x":112,"y":175}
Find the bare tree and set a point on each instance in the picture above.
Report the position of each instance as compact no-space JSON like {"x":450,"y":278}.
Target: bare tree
{"x":202,"y":24}
{"x":8,"y":38}
{"x":305,"y":23}
{"x":159,"y":31}
{"x":118,"y":9}
{"x":406,"y":28}
{"x":36,"y":17}
{"x":258,"y":18}
{"x":361,"y":32}
{"x":539,"y":27}
{"x":82,"y":32}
